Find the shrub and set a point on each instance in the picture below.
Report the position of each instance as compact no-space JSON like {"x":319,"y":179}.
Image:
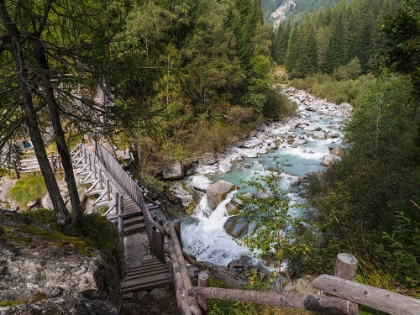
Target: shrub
{"x":27,"y":190}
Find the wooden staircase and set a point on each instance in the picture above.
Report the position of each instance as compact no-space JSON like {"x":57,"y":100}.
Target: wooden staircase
{"x":151,"y":274}
{"x":133,"y":221}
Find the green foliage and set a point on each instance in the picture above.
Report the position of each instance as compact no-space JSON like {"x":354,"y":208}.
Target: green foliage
{"x":332,"y":87}
{"x":400,"y":250}
{"x":330,"y":39}
{"x":96,"y":234}
{"x":364,"y":203}
{"x":270,"y":215}
{"x":27,"y":190}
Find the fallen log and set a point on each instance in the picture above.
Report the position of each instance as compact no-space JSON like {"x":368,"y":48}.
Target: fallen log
{"x":310,"y":302}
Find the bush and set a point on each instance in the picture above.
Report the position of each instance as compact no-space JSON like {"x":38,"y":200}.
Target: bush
{"x":27,"y":190}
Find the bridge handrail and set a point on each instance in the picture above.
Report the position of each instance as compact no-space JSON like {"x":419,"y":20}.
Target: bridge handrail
{"x":135,"y":193}
{"x":81,"y":151}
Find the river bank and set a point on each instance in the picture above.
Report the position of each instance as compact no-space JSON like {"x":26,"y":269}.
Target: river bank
{"x":306,"y":142}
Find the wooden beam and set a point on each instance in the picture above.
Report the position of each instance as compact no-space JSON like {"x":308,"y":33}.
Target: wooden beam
{"x":195,"y":308}
{"x":310,"y":302}
{"x":380,"y":299}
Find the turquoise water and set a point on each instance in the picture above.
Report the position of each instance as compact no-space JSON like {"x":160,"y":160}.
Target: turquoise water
{"x":205,"y":236}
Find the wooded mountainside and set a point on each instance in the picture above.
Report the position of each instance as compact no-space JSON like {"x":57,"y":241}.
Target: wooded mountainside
{"x":186,"y":77}
{"x":348,"y":34}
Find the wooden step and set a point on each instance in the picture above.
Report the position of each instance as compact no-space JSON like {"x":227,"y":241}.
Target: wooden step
{"x":133,"y":220}
{"x":146,"y":273}
{"x":134,"y":228}
{"x":140,"y":270}
{"x":146,"y":282}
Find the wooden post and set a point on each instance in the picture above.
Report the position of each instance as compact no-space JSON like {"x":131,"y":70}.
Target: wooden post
{"x":376,"y":298}
{"x":15,"y":166}
{"x":181,"y":293}
{"x":310,"y":302}
{"x":346,"y":266}
{"x":195,"y":308}
{"x":177,"y":226}
{"x":203,"y":281}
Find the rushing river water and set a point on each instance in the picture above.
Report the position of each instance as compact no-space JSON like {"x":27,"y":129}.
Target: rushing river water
{"x":205,"y":236}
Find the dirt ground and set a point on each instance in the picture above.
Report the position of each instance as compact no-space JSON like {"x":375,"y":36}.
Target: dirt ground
{"x":159,"y":301}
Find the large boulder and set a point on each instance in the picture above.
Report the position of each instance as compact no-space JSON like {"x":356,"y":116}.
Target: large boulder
{"x":329,"y":160}
{"x":173,"y":171}
{"x":337,"y":150}
{"x":217,"y":192}
{"x":50,"y":273}
{"x":236,"y":226}
{"x":200,"y":182}
{"x":319,"y":135}
{"x":208,"y":159}
{"x":178,"y":193}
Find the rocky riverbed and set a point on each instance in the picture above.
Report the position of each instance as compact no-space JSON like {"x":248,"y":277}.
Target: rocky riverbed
{"x":306,"y":142}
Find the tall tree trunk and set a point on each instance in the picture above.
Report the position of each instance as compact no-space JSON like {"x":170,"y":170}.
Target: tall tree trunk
{"x":63,"y":218}
{"x":40,"y":53}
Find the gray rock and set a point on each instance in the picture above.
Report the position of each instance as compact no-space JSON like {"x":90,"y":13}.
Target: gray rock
{"x":225,"y":166}
{"x":173,"y":171}
{"x":329,"y":160}
{"x":200,"y":182}
{"x":299,"y":142}
{"x":337,"y":150}
{"x":217,"y":192}
{"x":141,"y":295}
{"x":208,"y":159}
{"x":333,"y":134}
{"x":157,"y":294}
{"x":179,"y":194}
{"x":236,"y":226}
{"x":319,"y":135}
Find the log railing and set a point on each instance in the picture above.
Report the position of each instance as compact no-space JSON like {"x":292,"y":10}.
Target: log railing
{"x":348,"y":294}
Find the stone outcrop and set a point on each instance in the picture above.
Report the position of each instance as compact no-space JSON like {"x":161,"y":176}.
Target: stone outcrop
{"x":47,"y":273}
{"x":200,"y":182}
{"x":179,"y":194}
{"x":173,"y":171}
{"x":217,"y":192}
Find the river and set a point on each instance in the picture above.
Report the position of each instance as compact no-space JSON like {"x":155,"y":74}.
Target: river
{"x":297,"y":144}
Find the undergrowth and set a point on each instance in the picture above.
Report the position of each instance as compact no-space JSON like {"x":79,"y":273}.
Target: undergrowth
{"x":96,"y":234}
{"x":27,"y":190}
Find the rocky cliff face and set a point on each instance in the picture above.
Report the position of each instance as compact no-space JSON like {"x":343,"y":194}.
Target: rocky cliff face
{"x":40,"y":273}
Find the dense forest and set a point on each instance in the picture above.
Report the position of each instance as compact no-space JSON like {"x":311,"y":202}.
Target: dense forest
{"x":348,"y":34}
{"x":185,"y":77}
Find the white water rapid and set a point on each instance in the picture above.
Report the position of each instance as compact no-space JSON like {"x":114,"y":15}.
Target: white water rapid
{"x":300,"y":144}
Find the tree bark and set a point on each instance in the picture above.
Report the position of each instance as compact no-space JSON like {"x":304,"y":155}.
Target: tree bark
{"x":63,"y":218}
{"x":63,"y":151}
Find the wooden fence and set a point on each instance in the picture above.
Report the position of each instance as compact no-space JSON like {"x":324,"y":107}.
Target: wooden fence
{"x":348,"y":294}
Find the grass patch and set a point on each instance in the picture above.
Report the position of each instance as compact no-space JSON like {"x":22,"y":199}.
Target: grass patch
{"x":27,"y":190}
{"x":328,"y":87}
{"x":13,"y":303}
{"x":96,"y":234}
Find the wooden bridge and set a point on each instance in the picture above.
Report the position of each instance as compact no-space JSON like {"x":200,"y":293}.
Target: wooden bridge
{"x":130,"y":208}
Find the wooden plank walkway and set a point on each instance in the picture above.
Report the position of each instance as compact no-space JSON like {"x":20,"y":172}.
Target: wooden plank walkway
{"x":110,"y":181}
{"x":151,"y":274}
